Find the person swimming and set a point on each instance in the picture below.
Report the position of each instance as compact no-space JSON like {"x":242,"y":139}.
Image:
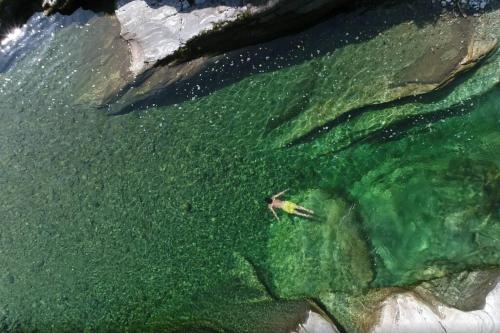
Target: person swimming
{"x":287,"y":206}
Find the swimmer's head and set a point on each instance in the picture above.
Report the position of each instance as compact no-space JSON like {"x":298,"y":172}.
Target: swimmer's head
{"x":269,"y":200}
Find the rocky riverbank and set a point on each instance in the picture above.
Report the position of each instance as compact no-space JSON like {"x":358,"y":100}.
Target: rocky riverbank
{"x":182,"y":30}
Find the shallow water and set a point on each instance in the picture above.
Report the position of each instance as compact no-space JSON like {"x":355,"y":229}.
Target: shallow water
{"x":156,"y":219}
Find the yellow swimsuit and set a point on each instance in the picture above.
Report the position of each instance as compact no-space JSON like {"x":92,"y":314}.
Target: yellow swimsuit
{"x":289,"y":207}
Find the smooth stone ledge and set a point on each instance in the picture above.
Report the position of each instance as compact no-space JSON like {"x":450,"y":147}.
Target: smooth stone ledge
{"x":408,"y":313}
{"x":155,"y":33}
{"x":173,"y":30}
{"x":316,"y":323}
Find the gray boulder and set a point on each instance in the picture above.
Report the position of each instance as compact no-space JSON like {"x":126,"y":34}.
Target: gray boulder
{"x":407,"y":312}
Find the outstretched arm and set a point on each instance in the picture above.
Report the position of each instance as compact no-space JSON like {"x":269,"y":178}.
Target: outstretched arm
{"x":274,"y":213}
{"x":281,"y":193}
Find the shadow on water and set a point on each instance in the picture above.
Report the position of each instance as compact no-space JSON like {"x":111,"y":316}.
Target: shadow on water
{"x":190,"y":5}
{"x":354,"y":23}
{"x":97,"y":6}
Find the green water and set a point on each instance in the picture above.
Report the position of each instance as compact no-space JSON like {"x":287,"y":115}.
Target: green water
{"x":156,"y":219}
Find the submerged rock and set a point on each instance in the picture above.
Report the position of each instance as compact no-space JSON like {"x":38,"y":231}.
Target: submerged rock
{"x":309,"y":258}
{"x":397,"y":63}
{"x":465,"y":291}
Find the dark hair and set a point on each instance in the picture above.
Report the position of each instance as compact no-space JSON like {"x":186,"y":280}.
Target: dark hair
{"x":269,"y":200}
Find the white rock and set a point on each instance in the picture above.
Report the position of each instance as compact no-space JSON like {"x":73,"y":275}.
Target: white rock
{"x":157,"y":32}
{"x":407,"y":313}
{"x":315,"y":323}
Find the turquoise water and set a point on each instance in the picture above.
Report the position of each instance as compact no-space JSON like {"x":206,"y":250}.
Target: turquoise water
{"x":156,"y":219}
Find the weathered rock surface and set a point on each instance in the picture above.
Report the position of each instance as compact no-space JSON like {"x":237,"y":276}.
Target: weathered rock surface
{"x":362,"y":123}
{"x":423,"y":308}
{"x":175,"y":30}
{"x":316,"y":323}
{"x":156,"y":32}
{"x":407,"y":312}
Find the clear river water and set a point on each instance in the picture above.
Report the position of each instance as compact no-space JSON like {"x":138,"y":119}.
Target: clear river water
{"x":155,"y":218}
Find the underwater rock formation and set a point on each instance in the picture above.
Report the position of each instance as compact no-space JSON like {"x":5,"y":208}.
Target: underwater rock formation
{"x":399,"y":62}
{"x":325,"y":250}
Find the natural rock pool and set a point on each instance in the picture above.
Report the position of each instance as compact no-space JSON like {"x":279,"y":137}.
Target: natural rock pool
{"x":148,"y":213}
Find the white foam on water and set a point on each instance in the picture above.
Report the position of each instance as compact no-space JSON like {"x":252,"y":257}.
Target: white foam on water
{"x":14,"y":35}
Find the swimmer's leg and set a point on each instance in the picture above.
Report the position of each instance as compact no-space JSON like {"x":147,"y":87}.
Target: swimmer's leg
{"x":300,"y":208}
{"x":303,"y":214}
